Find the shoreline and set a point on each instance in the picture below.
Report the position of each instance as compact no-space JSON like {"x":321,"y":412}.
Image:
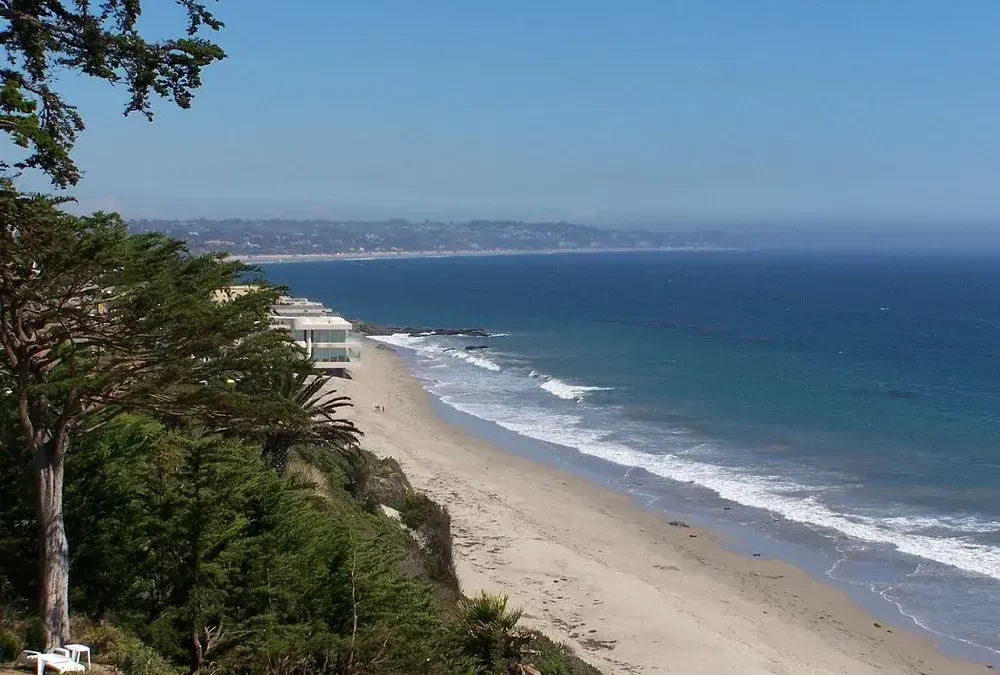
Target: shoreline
{"x":631,"y":592}
{"x":267,"y":259}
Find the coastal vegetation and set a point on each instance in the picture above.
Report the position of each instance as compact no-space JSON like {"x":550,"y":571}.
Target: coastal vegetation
{"x":192,"y":553}
{"x":178,"y":489}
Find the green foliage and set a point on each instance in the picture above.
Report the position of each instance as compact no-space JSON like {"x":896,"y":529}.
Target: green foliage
{"x":98,"y":38}
{"x":182,"y":535}
{"x":173,"y":531}
{"x":11,"y":644}
{"x":95,"y":322}
{"x":318,"y":423}
{"x":34,"y":631}
{"x":135,"y":658}
{"x":125,"y":651}
{"x":17,"y":635}
{"x":490,"y":635}
{"x":433,"y":524}
{"x":552,"y":658}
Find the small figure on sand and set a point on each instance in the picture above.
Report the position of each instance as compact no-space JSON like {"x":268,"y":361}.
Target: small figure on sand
{"x":380,"y":408}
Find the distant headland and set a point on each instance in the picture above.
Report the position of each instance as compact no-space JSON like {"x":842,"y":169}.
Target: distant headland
{"x":261,"y":241}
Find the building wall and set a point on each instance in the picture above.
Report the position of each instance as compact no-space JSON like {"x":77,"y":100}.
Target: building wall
{"x":323,"y":335}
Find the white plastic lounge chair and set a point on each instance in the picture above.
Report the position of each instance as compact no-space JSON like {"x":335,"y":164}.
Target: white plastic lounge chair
{"x":57,"y":659}
{"x":76,"y":652}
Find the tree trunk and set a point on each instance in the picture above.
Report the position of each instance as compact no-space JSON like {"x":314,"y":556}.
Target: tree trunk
{"x":197,"y":655}
{"x":52,"y":545}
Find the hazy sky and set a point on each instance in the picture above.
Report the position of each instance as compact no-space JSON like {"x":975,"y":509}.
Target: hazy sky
{"x":614,"y":111}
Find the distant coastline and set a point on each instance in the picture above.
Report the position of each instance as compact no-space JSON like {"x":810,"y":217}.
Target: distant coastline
{"x":270,"y":258}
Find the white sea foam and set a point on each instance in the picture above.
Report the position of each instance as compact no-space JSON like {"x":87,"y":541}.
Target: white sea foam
{"x":400,"y":340}
{"x":569,"y":392}
{"x":966,"y":524}
{"x":422,"y":345}
{"x":770,"y":493}
{"x":480,"y":361}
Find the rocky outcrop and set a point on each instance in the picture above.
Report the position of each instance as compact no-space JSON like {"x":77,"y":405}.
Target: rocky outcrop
{"x":373,"y":329}
{"x":378,"y":481}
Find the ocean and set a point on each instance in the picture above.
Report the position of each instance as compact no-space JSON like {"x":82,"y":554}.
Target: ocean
{"x":840,"y":410}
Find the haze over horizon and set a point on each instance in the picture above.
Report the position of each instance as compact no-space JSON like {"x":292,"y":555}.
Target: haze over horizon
{"x":839,"y":116}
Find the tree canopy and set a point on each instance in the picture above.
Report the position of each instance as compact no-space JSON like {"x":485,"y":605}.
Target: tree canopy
{"x":98,"y":38}
{"x":94,"y":322}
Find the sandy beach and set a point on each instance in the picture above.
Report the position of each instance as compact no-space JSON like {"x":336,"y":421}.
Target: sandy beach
{"x":631,"y":593}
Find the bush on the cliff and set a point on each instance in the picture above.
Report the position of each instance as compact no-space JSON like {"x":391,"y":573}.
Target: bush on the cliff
{"x":173,"y":531}
{"x":432,"y":522}
{"x":553,"y":658}
{"x":489,"y":633}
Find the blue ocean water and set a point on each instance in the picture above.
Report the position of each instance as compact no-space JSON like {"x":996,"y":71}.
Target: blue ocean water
{"x":847,"y":403}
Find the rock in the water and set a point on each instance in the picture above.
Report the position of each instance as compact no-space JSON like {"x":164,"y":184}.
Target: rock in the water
{"x":472,"y":348}
{"x":413,"y":331}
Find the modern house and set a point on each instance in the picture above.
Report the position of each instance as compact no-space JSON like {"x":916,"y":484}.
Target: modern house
{"x":300,"y":307}
{"x":325,"y":336}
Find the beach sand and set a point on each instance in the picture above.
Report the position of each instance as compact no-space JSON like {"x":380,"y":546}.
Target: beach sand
{"x":630,"y":592}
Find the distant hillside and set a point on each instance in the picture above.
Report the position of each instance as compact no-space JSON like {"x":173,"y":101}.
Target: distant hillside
{"x":304,"y":237}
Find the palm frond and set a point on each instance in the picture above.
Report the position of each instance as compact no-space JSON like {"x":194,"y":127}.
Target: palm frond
{"x":320,"y":420}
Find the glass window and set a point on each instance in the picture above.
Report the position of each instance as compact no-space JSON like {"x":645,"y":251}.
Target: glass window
{"x":327,"y":355}
{"x":329,"y":336}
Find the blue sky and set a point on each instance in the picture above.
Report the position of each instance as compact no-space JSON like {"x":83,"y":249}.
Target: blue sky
{"x":608,"y":112}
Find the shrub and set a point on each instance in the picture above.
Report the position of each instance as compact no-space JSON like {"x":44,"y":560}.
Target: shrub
{"x":11,"y":644}
{"x":135,"y":658}
{"x":553,"y":658}
{"x":125,"y":651}
{"x":34,"y":633}
{"x":489,"y":633}
{"x":433,"y":523}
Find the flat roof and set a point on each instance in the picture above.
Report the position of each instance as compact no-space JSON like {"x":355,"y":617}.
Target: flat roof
{"x":320,"y":322}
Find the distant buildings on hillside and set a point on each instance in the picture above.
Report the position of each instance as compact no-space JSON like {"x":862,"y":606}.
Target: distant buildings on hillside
{"x":317,"y":237}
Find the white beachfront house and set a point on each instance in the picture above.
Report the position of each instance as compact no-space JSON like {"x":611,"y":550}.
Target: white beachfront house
{"x":300,"y":307}
{"x":325,"y":336}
